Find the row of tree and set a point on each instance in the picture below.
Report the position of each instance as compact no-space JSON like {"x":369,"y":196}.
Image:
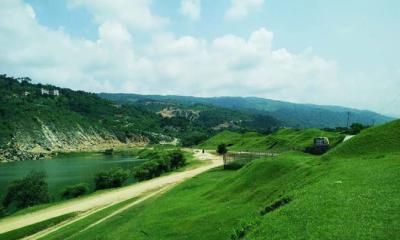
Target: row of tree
{"x":156,"y":167}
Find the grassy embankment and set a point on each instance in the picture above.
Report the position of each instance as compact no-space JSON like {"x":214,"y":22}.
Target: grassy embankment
{"x":35,"y":228}
{"x":351,"y":192}
{"x":280,"y":141}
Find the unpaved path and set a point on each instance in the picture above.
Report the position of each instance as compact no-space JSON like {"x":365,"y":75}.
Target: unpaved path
{"x":57,"y":227}
{"x":110,"y":197}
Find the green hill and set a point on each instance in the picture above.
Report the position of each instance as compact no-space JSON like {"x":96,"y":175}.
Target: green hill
{"x":291,"y":114}
{"x":37,"y":119}
{"x":282,"y":140}
{"x":33,"y":122}
{"x":377,"y":140}
{"x":293,"y":196}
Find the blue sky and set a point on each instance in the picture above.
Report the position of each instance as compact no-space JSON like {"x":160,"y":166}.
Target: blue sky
{"x":313,"y":51}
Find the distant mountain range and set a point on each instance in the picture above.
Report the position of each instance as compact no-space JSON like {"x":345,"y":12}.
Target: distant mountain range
{"x":289,"y":114}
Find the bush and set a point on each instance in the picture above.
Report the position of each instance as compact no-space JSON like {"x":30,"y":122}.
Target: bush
{"x":28,"y":191}
{"x":221,"y":149}
{"x":356,"y":128}
{"x":177,"y":159}
{"x":111,"y":179}
{"x":75,"y":191}
{"x":159,"y":165}
{"x":109,"y":151}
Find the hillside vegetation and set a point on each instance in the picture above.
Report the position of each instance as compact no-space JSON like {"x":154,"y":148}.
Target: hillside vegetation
{"x":293,"y":196}
{"x":33,"y":122}
{"x":37,"y":119}
{"x":291,"y":114}
{"x":196,"y":122}
{"x":282,"y":140}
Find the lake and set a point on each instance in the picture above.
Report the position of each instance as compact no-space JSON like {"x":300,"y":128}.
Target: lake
{"x":66,"y":169}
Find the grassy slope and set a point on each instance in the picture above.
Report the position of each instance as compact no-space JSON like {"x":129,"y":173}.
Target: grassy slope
{"x":74,"y":228}
{"x":206,"y":207}
{"x":35,"y":228}
{"x":338,"y":196}
{"x":282,"y":140}
{"x":357,"y":195}
{"x":378,"y":140}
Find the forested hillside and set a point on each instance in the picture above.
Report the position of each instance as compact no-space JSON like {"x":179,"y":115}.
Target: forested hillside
{"x":36,"y":119}
{"x":290,"y":114}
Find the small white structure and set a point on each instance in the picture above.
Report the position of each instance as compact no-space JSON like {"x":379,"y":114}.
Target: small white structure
{"x":56,"y":92}
{"x":44,"y":91}
{"x":321,"y":142}
{"x":26,"y":93}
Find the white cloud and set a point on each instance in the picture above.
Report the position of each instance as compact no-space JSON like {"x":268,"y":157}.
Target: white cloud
{"x":227,"y":65}
{"x":191,"y":9}
{"x":135,"y":14}
{"x":242,"y":8}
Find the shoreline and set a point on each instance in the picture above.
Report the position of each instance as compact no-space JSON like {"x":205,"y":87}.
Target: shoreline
{"x":23,"y":155}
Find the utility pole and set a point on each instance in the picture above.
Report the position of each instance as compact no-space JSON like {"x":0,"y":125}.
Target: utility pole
{"x":348,"y":119}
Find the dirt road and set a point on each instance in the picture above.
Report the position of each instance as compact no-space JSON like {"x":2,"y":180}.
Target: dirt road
{"x":109,"y":197}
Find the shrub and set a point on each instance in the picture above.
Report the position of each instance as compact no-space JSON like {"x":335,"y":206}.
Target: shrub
{"x":28,"y":191}
{"x":356,"y":128}
{"x":75,"y":191}
{"x":111,"y":179}
{"x":109,"y":151}
{"x":177,"y":159}
{"x":221,"y":149}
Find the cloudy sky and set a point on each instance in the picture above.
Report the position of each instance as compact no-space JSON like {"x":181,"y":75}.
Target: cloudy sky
{"x":343,"y":52}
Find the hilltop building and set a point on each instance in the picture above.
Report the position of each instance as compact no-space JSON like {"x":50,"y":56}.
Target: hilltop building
{"x":54,"y":92}
{"x":44,"y":91}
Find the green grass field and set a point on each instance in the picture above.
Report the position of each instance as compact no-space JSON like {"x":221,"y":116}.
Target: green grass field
{"x":280,"y":141}
{"x":350,"y":193}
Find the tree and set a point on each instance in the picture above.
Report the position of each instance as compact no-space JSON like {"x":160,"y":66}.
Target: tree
{"x":28,"y":191}
{"x":75,"y":191}
{"x":356,"y":128}
{"x":111,"y":179}
{"x":160,"y":163}
{"x":177,"y":159}
{"x":221,"y":149}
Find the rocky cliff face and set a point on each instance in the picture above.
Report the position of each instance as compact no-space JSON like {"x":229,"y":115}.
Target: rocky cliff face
{"x":48,"y":139}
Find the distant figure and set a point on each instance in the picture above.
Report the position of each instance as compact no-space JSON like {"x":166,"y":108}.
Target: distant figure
{"x":202,"y":151}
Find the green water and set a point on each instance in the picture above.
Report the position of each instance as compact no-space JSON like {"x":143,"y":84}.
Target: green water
{"x":66,"y":169}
